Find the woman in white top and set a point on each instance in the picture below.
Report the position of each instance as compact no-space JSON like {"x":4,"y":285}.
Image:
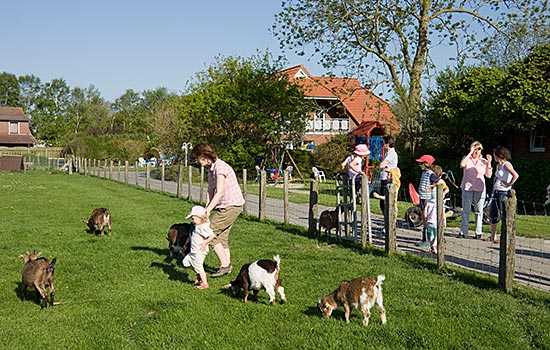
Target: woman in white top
{"x":505,"y":177}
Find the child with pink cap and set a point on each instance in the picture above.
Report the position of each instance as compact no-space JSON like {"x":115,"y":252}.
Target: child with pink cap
{"x":354,"y":163}
{"x":201,"y":236}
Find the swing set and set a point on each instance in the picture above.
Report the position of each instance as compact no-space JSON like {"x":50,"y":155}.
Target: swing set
{"x":276,"y":154}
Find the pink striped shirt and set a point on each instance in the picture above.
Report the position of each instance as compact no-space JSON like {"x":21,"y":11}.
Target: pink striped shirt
{"x":232,"y":196}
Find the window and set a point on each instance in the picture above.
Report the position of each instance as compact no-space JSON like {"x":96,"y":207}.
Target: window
{"x":14,"y":128}
{"x":537,"y":141}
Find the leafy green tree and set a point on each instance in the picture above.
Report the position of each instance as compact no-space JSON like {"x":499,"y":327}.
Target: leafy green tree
{"x":391,"y":41}
{"x":9,"y":90}
{"x":464,"y":108}
{"x":525,"y":96}
{"x":239,"y":105}
{"x":124,"y":111}
{"x":48,"y":119}
{"x":29,"y":88}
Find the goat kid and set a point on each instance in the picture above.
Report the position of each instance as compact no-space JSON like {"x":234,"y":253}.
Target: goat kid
{"x":37,"y":275}
{"x":179,"y":239}
{"x":100,"y":218}
{"x":361,"y":293}
{"x":328,"y":220}
{"x":261,"y":274}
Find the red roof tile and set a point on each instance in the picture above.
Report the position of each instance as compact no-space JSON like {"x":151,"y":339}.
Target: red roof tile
{"x":17,"y":139}
{"x":13,"y":114}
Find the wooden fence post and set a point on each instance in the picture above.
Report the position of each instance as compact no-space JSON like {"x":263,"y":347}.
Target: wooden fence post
{"x":313,"y":206}
{"x":440,"y":227}
{"x":118,"y":171}
{"x":148,"y":176}
{"x":366,"y":234}
{"x":162,"y":173}
{"x":136,"y":171}
{"x":285,"y":197}
{"x":180,"y":179}
{"x":262,"y":196}
{"x":390,"y":219}
{"x":126,"y":169}
{"x":110,"y":170}
{"x":245,"y":190}
{"x":507,"y":256}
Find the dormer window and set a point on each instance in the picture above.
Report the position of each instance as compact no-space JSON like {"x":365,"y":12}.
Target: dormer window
{"x":14,"y":127}
{"x":300,"y":74}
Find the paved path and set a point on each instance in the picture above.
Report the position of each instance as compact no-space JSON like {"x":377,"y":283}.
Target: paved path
{"x":532,"y":255}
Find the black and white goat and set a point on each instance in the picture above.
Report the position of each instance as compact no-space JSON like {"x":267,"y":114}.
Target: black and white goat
{"x":261,"y":274}
{"x":360,"y":293}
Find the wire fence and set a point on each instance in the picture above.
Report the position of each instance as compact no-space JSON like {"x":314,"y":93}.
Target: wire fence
{"x":524,"y":247}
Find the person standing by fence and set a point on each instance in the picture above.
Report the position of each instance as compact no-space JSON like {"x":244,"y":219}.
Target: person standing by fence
{"x":225,"y":197}
{"x":475,"y":170}
{"x":390,"y":162}
{"x":424,"y":192}
{"x":505,"y":177}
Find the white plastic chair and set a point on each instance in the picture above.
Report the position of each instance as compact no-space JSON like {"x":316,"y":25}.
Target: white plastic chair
{"x":289,"y":170}
{"x":319,"y":174}
{"x":142,"y":162}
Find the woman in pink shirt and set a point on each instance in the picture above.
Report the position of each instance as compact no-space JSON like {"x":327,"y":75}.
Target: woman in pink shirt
{"x":476,"y":169}
{"x":225,"y":198}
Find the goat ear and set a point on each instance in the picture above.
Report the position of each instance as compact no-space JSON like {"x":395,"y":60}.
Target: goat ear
{"x":38,"y":254}
{"x":318,"y":300}
{"x":53,"y":262}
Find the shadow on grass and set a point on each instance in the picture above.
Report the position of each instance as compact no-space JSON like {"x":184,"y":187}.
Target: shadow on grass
{"x":173,"y":272}
{"x":30,"y":296}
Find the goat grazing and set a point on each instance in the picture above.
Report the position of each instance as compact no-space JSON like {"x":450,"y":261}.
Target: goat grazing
{"x":37,"y":275}
{"x":100,"y":218}
{"x":328,"y":220}
{"x":179,"y":238}
{"x":361,"y":293}
{"x":261,"y":274}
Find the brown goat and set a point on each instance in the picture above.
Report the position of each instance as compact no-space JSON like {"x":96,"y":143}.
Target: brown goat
{"x":361,"y":293}
{"x":37,"y":275}
{"x":100,"y":218}
{"x":328,"y":220}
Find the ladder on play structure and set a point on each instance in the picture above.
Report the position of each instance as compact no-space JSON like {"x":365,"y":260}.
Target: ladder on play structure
{"x":349,"y":227}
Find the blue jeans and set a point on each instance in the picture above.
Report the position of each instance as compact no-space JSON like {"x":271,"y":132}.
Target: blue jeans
{"x":476,"y":199}
{"x":496,"y":209}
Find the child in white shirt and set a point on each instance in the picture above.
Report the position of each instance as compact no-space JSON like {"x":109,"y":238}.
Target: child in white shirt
{"x":201,"y":236}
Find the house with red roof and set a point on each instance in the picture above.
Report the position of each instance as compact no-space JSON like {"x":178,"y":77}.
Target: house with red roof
{"x":14,"y":128}
{"x":342,"y":106}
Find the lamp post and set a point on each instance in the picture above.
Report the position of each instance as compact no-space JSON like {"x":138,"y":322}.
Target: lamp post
{"x":186,"y":147}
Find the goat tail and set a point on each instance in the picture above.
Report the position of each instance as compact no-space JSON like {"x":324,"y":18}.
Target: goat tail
{"x":380,"y":279}
{"x":277,"y":259}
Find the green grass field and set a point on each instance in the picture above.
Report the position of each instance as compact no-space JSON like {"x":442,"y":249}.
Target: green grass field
{"x":121,"y":291}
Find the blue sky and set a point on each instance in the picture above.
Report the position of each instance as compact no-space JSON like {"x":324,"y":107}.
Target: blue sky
{"x":141,"y":45}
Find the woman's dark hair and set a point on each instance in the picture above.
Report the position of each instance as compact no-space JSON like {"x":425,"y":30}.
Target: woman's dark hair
{"x":203,"y":150}
{"x":389,"y":140}
{"x":502,"y":152}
